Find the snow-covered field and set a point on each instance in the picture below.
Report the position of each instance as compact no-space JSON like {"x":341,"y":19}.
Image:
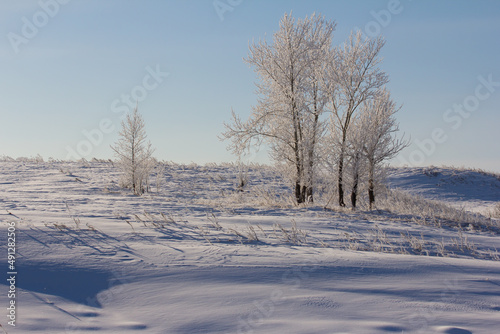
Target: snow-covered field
{"x":197,"y":256}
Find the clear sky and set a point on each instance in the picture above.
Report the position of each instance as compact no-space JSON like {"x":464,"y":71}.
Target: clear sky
{"x":70,"y":68}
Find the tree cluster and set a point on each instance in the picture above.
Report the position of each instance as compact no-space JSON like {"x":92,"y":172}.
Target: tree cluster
{"x":319,"y":105}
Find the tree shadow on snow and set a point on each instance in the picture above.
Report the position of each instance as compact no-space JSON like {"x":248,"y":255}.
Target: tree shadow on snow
{"x":456,"y":330}
{"x":75,"y":284}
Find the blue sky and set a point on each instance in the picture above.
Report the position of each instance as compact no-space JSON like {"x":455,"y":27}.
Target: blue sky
{"x":71,"y":73}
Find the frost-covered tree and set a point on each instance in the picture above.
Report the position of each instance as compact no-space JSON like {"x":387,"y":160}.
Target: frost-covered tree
{"x":356,"y":161}
{"x":134,"y":154}
{"x":291,"y":102}
{"x":379,"y":126}
{"x":352,"y":77}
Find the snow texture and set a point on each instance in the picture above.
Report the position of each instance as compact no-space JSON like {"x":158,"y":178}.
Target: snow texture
{"x":200,"y":256}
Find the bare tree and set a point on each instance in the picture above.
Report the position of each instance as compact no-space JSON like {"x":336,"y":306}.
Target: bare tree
{"x":356,"y":139}
{"x":134,"y":153}
{"x":353,"y":77}
{"x":378,"y":125}
{"x":288,"y":113}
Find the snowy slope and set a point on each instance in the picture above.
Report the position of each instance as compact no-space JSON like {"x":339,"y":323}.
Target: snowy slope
{"x":196,"y":256}
{"x":472,"y":190}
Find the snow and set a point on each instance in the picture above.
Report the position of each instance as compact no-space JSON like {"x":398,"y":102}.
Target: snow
{"x":472,"y":190}
{"x":199,"y":257}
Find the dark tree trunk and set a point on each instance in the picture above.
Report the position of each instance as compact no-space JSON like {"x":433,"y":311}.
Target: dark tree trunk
{"x":307,"y":194}
{"x":371,"y":187}
{"x":371,"y":193}
{"x":354,"y":193}
{"x":298,"y":193}
{"x":309,"y":190}
{"x":303,"y":194}
{"x":341,"y":181}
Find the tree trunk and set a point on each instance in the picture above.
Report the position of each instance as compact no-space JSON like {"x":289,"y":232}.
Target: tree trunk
{"x":371,"y":187}
{"x":340,"y":180}
{"x":354,"y":193}
{"x":303,"y":194}
{"x":355,"y":183}
{"x":309,"y":195}
{"x":371,"y":194}
{"x":298,"y":192}
{"x":310,"y":182}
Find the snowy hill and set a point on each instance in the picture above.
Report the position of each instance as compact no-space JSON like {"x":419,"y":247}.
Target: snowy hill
{"x":472,"y":190}
{"x":198,"y":256}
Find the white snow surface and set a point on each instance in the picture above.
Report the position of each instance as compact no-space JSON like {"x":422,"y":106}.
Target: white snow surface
{"x":197,"y":256}
{"x":472,"y":190}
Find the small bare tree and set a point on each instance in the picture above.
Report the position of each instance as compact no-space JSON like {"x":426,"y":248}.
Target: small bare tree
{"x":134,"y":154}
